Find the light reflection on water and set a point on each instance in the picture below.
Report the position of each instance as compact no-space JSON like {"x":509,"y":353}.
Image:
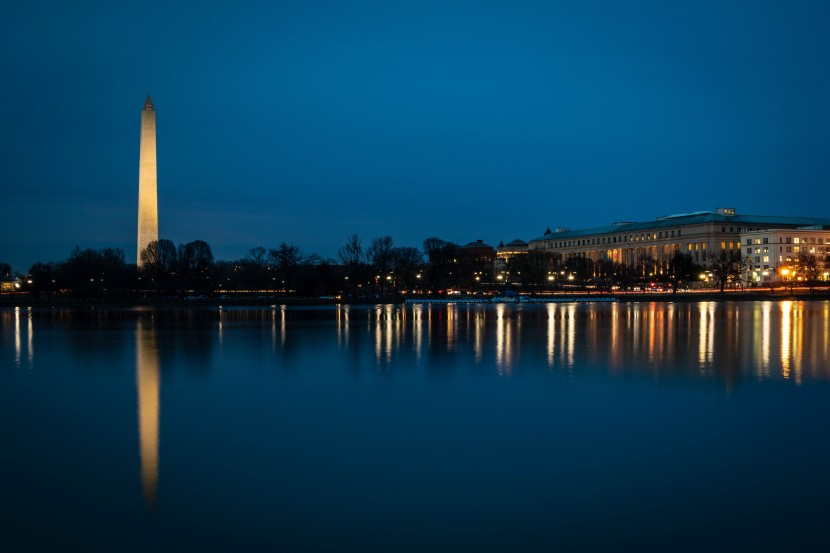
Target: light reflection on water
{"x":727,"y":341}
{"x":281,"y":368}
{"x":148,"y":384}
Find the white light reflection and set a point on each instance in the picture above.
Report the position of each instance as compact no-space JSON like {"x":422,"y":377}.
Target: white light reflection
{"x":418,"y":329}
{"x":384,"y":328}
{"x":798,"y":345}
{"x":706,"y":333}
{"x":766,"y":338}
{"x":786,"y":331}
{"x":478,"y":335}
{"x":30,"y":346}
{"x":503,"y":341}
{"x":452,"y":325}
{"x":570,"y":316}
{"x":17,"y":336}
{"x":221,"y":316}
{"x":551,"y":310}
{"x":615,"y":335}
{"x":282,"y":326}
{"x":273,"y":328}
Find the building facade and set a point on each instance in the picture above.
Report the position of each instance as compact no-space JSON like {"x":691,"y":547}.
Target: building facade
{"x":506,"y":252}
{"x":778,"y":255}
{"x":697,"y":234}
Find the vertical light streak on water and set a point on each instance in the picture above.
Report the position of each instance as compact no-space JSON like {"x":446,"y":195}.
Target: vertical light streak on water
{"x":701,"y":333}
{"x":786,"y":325}
{"x":826,"y":336}
{"x":798,"y":345}
{"x":339,"y":319}
{"x":502,"y":341}
{"x":551,"y":309}
{"x":517,"y":337}
{"x":378,"y":335}
{"x":30,"y":344}
{"x":668,"y":332}
{"x":282,"y":326}
{"x":17,"y":336}
{"x":634,"y":326}
{"x":478,"y":335}
{"x":389,"y":326}
{"x":571,"y":317}
{"x":766,"y":338}
{"x":652,"y":331}
{"x":346,"y":314}
{"x":429,"y":327}
{"x":452,"y":326}
{"x":710,"y":334}
{"x":707,"y":334}
{"x":400,"y":327}
{"x":273,"y":328}
{"x":148,"y":384}
{"x":615,"y":339}
{"x":220,"y":328}
{"x":418,"y":329}
{"x":563,"y":336}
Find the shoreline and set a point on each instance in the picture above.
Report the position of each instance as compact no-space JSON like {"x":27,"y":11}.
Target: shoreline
{"x":661,"y":297}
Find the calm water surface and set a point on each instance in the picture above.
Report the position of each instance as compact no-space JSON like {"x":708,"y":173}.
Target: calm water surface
{"x":607,"y":427}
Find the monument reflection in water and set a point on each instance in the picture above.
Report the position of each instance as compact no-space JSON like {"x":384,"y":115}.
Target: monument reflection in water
{"x":415,"y":427}
{"x":148,"y":383}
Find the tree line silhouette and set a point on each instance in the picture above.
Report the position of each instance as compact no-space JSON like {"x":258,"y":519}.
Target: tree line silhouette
{"x":378,"y":268}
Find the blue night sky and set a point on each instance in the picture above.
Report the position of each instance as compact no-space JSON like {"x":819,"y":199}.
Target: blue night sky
{"x":308,"y":121}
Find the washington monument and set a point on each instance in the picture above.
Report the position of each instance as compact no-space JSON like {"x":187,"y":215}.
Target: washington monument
{"x":148,"y":211}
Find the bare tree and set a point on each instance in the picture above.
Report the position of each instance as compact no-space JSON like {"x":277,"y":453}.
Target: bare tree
{"x":725,"y":265}
{"x":159,"y":261}
{"x":808,"y":267}
{"x":257,"y":262}
{"x":441,"y":258}
{"x":379,"y":256}
{"x":681,"y":267}
{"x":406,"y":262}
{"x":351,"y":256}
{"x":287,"y":259}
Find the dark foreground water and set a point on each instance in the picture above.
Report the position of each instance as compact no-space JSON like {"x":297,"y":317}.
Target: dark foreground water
{"x":626,"y":427}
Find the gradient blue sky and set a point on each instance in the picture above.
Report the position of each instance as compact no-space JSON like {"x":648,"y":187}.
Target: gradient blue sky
{"x":308,"y":121}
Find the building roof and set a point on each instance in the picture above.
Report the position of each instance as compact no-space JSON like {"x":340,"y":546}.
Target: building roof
{"x":477,"y":244}
{"x":148,"y":104}
{"x":674,"y":221}
{"x":517,"y":242}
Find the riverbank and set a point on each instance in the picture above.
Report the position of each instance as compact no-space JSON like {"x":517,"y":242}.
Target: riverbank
{"x":11,"y":301}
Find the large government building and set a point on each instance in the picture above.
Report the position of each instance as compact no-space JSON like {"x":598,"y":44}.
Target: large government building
{"x":697,"y":234}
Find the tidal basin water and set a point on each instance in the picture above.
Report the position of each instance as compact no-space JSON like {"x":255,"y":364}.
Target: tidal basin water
{"x":569,"y":427}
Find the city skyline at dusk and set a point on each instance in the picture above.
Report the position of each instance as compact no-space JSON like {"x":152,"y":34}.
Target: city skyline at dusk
{"x":475,"y":120}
